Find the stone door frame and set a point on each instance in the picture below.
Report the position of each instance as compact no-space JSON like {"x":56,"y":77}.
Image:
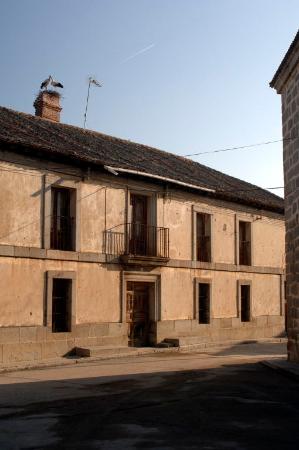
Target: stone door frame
{"x":154,"y":278}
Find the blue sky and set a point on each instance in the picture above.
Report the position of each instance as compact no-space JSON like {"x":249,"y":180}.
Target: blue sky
{"x":182,"y":75}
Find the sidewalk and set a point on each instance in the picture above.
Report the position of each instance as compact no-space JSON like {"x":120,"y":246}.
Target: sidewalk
{"x":214,"y":349}
{"x":287,"y":368}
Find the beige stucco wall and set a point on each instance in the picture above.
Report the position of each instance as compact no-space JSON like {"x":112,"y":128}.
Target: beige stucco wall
{"x":20,"y":194}
{"x":100,"y":206}
{"x":98,"y":291}
{"x":176,"y":215}
{"x":92,"y":216}
{"x":98,"y":294}
{"x":22,"y":291}
{"x":177,"y":292}
{"x":223,"y":235}
{"x":268,"y":242}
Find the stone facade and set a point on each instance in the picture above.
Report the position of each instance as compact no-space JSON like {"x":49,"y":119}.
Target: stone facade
{"x":286,"y":83}
{"x":28,"y":265}
{"x":91,"y":256}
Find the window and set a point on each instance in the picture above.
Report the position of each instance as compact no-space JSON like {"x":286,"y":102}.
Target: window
{"x":204,"y":303}
{"x":61,"y":305}
{"x":203,"y":237}
{"x":245,"y":302}
{"x":62,"y":219}
{"x":245,"y":243}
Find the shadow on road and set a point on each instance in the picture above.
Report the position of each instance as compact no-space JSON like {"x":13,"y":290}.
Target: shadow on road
{"x":250,"y":348}
{"x":234,"y":406}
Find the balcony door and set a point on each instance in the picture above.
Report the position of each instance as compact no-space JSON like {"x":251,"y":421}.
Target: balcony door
{"x":62,"y":222}
{"x":138,"y":234}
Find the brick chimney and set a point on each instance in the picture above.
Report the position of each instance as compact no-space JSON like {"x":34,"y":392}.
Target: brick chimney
{"x":47,"y":105}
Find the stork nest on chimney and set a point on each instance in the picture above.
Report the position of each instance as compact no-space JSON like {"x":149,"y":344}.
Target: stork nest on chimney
{"x":52,"y":92}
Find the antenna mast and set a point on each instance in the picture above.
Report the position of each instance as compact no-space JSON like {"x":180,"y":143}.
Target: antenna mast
{"x":91,"y":80}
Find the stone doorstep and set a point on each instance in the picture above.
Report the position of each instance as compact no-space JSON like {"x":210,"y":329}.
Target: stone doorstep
{"x":101,"y":350}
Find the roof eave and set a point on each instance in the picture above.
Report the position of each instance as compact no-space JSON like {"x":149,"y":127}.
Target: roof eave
{"x":286,"y":67}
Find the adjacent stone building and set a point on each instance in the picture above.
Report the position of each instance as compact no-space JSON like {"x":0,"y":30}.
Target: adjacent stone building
{"x":286,"y":83}
{"x":108,"y":242}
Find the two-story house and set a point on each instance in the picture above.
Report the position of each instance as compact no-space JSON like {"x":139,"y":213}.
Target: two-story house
{"x":108,"y":242}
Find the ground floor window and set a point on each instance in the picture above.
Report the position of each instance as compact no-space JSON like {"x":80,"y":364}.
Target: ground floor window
{"x":245,"y":302}
{"x":61,"y":305}
{"x":203,"y":302}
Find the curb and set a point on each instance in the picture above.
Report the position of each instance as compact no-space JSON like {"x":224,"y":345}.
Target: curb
{"x":195,"y":348}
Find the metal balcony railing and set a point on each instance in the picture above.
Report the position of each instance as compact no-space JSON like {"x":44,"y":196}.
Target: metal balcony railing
{"x":137,"y":239}
{"x":62,"y":232}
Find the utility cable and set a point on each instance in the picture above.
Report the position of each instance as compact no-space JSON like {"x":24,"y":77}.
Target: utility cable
{"x":229,"y":149}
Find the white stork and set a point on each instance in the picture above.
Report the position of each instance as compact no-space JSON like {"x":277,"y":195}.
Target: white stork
{"x":52,"y":82}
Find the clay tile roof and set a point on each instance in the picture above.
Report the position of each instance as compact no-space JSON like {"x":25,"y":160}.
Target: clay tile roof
{"x":76,"y":144}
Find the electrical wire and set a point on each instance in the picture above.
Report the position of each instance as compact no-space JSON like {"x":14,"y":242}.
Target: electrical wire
{"x":229,"y":149}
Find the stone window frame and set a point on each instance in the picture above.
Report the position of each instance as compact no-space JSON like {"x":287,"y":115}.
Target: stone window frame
{"x":56,"y":181}
{"x":62,"y":274}
{"x":201,"y":210}
{"x":239,"y":218}
{"x":239,"y":284}
{"x":197,"y":281}
{"x":142,"y":277}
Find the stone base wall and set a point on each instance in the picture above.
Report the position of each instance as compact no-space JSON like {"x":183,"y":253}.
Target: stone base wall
{"x":21,"y":344}
{"x":38,"y":343}
{"x":221,"y":330}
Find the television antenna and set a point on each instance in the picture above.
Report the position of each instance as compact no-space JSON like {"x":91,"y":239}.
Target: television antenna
{"x":91,"y":80}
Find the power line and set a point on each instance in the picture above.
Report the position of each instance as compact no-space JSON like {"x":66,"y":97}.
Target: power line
{"x":239,"y":148}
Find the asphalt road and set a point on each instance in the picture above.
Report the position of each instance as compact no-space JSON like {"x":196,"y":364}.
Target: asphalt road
{"x":222,"y":400}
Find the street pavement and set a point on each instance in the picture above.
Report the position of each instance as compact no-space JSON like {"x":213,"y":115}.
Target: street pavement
{"x":223,"y":399}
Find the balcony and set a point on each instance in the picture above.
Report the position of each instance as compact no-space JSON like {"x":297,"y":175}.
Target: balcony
{"x":136,"y":243}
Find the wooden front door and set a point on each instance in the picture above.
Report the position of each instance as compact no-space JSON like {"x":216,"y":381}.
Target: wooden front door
{"x":138,"y":313}
{"x":138,"y":235}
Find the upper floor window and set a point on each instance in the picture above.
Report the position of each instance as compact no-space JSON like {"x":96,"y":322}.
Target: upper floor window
{"x":63,"y":224}
{"x":245,"y":243}
{"x":203,"y":237}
